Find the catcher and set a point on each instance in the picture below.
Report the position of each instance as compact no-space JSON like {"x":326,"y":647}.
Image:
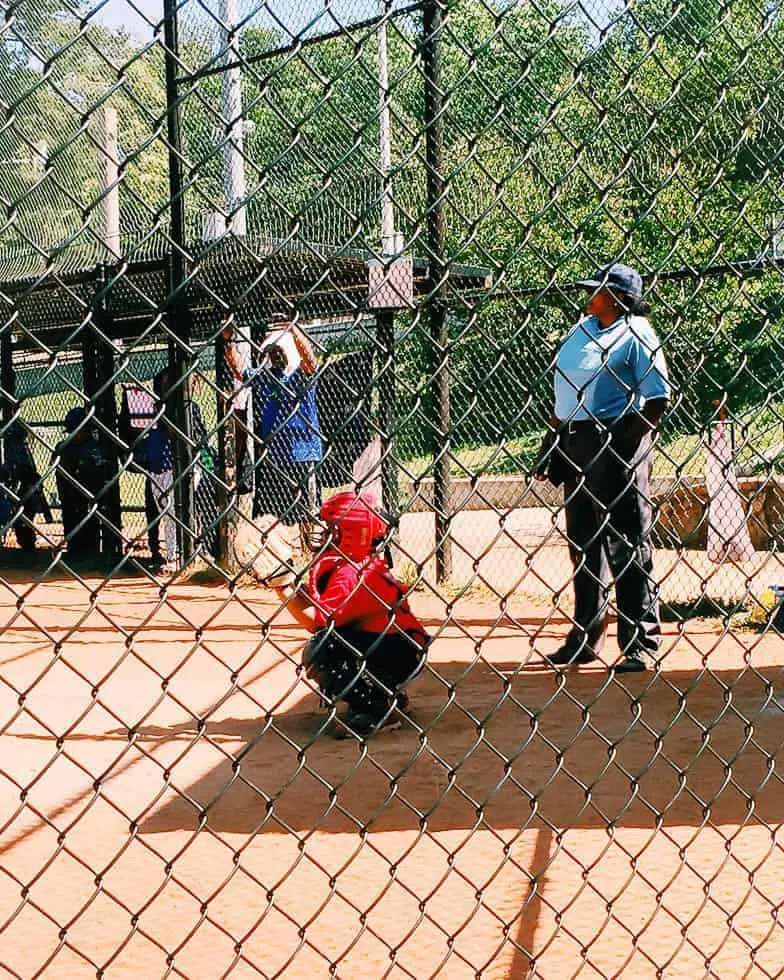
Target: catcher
{"x":367,"y":644}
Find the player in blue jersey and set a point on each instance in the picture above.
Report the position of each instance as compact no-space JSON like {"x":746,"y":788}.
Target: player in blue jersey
{"x":289,"y":447}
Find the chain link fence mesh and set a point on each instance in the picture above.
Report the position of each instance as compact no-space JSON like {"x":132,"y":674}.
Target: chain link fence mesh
{"x":400,"y":199}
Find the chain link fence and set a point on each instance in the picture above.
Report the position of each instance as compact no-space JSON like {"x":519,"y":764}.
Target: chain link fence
{"x":256,"y":255}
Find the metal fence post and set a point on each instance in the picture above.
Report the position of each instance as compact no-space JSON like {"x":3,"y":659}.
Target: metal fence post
{"x":387,"y":411}
{"x":7,"y":382}
{"x":180,"y":355}
{"x":433,"y":25}
{"x":227,"y":471}
{"x":101,"y":376}
{"x":7,"y":376}
{"x":385,"y":318}
{"x":90,"y":356}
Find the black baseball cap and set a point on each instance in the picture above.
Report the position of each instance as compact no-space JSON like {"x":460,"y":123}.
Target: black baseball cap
{"x":622,"y":278}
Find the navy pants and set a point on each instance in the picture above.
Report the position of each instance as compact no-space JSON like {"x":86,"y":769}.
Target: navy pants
{"x":609,"y":519}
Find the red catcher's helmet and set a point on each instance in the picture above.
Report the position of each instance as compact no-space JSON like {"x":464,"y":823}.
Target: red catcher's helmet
{"x":354,"y":523}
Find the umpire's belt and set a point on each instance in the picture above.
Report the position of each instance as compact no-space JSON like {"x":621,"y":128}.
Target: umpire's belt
{"x":587,"y":427}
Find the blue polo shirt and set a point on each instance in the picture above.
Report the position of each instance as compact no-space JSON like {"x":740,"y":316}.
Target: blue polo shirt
{"x":603,"y":373}
{"x":287,"y":416}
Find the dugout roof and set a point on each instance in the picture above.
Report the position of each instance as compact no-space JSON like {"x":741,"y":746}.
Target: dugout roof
{"x":251,"y":278}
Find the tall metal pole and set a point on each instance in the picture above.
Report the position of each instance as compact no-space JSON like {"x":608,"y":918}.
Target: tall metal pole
{"x":433,"y":26}
{"x":235,"y":507}
{"x":387,"y":410}
{"x":8,"y":401}
{"x":178,"y":312}
{"x":101,"y":375}
{"x":385,"y":136}
{"x":235,"y":187}
{"x":174,"y":136}
{"x":385,"y":319}
{"x":109,"y":173}
{"x":226,"y":485}
{"x":99,"y":385}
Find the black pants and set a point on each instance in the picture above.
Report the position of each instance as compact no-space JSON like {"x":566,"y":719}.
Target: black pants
{"x":364,"y":669}
{"x":609,"y":520}
{"x":33,"y":503}
{"x":205,"y":502}
{"x":287,"y":490}
{"x":82,"y":533}
{"x":152,"y":515}
{"x":25,"y":533}
{"x":290,"y":492}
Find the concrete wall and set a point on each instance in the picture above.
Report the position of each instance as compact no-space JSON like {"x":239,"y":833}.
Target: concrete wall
{"x":683,"y":512}
{"x":682,"y":519}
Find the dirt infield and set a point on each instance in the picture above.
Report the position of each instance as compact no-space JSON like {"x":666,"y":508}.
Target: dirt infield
{"x":526,"y":550}
{"x":167,"y":804}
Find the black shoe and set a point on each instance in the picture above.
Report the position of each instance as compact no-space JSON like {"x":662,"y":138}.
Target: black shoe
{"x":634,"y":663}
{"x":566,"y":657}
{"x":364,"y":726}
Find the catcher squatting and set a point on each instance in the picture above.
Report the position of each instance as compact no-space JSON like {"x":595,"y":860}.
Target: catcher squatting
{"x":367,"y":645}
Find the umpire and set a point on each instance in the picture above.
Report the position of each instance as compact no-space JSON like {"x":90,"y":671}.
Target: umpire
{"x":611,"y":390}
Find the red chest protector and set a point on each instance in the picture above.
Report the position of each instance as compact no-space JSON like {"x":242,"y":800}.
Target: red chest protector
{"x":364,"y":597}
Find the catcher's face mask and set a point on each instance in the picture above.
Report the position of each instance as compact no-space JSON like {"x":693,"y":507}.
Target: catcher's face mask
{"x":353,"y":525}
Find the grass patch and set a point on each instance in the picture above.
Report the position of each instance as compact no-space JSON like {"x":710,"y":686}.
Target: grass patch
{"x":205,"y":575}
{"x":510,"y":457}
{"x":756,"y":435}
{"x":703,"y":607}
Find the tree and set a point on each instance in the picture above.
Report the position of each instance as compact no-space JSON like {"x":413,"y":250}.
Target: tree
{"x":56,"y":75}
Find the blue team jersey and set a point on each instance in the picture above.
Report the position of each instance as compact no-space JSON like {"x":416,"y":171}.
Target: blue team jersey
{"x":158,"y":451}
{"x":287,"y":416}
{"x":603,"y":373}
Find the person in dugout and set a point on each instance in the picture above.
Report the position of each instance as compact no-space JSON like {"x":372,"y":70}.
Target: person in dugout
{"x":81,"y":478}
{"x":22,"y":495}
{"x":611,"y":390}
{"x":288,"y":432}
{"x":367,"y":644}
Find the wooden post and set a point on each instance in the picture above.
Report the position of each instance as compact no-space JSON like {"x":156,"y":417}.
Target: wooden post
{"x":238,"y":537}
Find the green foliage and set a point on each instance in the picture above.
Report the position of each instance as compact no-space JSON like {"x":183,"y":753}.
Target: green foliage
{"x":658,"y":138}
{"x":56,"y":73}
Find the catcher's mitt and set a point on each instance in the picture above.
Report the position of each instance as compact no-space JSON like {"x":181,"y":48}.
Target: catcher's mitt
{"x":260,"y":546}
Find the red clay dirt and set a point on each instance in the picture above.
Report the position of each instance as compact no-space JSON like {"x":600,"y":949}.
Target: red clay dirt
{"x":167,"y":804}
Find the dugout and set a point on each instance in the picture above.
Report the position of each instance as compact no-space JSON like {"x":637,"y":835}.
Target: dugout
{"x":74,"y":338}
